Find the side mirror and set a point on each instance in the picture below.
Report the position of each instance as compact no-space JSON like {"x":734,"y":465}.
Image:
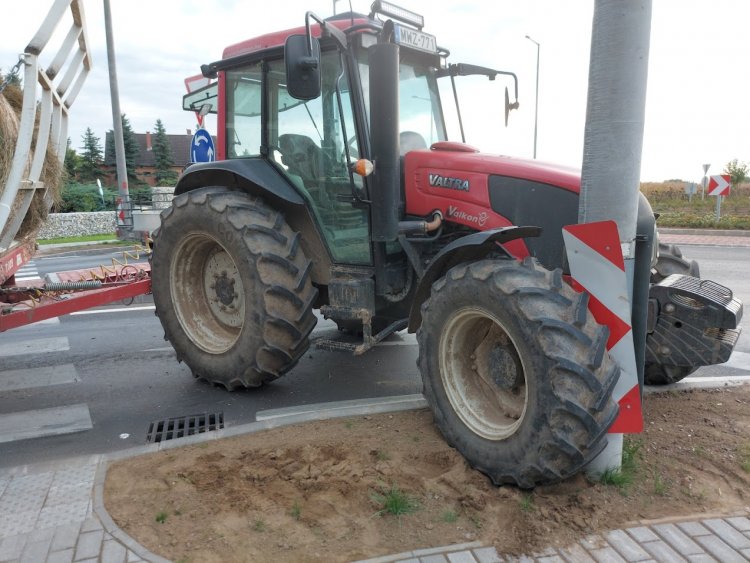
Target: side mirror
{"x":509,"y":106}
{"x":302,"y":57}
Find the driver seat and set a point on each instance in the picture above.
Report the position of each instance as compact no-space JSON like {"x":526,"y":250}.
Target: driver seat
{"x":302,"y":156}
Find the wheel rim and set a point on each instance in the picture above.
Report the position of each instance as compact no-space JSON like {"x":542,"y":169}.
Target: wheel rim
{"x":207,"y":293}
{"x":483,"y":374}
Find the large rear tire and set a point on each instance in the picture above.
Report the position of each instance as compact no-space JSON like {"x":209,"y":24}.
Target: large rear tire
{"x":516,"y":371}
{"x":232,"y":287}
{"x":670,"y":262}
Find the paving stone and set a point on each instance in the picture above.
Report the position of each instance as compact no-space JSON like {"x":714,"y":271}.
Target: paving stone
{"x":3,"y":483}
{"x":694,"y":529}
{"x":662,"y":552}
{"x":487,"y":555}
{"x":133,"y":557}
{"x":65,"y":537}
{"x":64,"y":556}
{"x":702,"y":558}
{"x":746,"y":553}
{"x":680,"y":541}
{"x":438,"y":558}
{"x":742,"y":523}
{"x":35,"y":551}
{"x":625,"y":546}
{"x":68,"y":493}
{"x":720,"y":550}
{"x":550,"y":559}
{"x":576,"y":554}
{"x":74,"y":476}
{"x":14,"y":523}
{"x":91,"y":525}
{"x":642,"y":534}
{"x":461,"y":557}
{"x":45,"y":534}
{"x":412,"y":560}
{"x":594,"y":542}
{"x":113,"y":552}
{"x":89,"y":545}
{"x":11,"y":547}
{"x":729,"y":534}
{"x":606,"y":555}
{"x":61,"y":514}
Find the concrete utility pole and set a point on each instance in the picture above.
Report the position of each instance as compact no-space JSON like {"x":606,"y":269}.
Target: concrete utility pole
{"x":613,"y":140}
{"x":122,"y":172}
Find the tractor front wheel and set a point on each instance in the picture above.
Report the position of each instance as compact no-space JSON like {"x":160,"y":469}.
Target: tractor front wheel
{"x":232,"y":287}
{"x":516,"y":371}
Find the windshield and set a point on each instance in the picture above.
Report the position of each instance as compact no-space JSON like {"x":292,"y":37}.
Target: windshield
{"x":420,"y":114}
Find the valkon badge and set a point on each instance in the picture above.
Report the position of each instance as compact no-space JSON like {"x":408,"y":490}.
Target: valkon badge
{"x":439,"y":181}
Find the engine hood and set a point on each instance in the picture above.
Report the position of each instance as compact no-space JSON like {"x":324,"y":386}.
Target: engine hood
{"x":459,"y":157}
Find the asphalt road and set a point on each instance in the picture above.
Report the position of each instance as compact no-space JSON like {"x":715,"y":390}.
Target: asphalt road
{"x":97,"y":379}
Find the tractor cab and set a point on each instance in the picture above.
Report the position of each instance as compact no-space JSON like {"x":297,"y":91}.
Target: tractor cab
{"x":301,"y":100}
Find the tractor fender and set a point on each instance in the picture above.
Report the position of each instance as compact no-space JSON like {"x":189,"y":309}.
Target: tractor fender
{"x":254,"y":176}
{"x":470,"y":248}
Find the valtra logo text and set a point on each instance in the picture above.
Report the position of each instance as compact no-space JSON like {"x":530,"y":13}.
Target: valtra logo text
{"x":451,"y":183}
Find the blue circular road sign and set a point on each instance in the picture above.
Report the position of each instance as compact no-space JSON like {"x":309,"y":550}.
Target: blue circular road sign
{"x":202,"y":147}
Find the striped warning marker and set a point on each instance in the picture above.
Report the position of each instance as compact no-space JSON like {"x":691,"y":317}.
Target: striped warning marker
{"x":597,"y":266}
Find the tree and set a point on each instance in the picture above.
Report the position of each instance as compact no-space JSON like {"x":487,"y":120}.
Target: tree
{"x":737,"y":172}
{"x":91,"y":157}
{"x":11,"y":78}
{"x":163,"y":160}
{"x":72,"y":162}
{"x":132,"y":151}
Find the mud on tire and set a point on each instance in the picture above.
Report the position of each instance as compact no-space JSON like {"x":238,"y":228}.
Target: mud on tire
{"x":516,"y":372}
{"x":232,"y":287}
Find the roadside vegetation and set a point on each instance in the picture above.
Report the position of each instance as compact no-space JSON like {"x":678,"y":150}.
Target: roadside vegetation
{"x":106,"y":237}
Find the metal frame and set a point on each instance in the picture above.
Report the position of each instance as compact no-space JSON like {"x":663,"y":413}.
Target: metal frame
{"x":61,"y":82}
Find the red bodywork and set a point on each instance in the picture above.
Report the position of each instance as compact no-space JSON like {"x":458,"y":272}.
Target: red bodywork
{"x":471,"y":206}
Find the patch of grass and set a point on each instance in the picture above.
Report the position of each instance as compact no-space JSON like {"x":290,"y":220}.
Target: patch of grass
{"x":161,"y":517}
{"x":296,"y":511}
{"x":381,"y":455}
{"x":477,"y":521}
{"x":259,"y":525}
{"x":661,"y":486}
{"x":624,"y":476}
{"x":87,"y":238}
{"x":449,"y":516}
{"x":349,"y":424}
{"x":394,"y":501}
{"x":527,"y":503}
{"x":616,"y":478}
{"x":744,"y":455}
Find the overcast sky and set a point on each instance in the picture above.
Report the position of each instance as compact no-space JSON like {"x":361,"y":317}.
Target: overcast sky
{"x":697,"y":110}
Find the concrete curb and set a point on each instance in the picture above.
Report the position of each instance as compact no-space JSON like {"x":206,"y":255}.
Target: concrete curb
{"x":704,"y":232}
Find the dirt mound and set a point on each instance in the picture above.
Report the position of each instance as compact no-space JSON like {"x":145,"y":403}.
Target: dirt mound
{"x":315,"y":492}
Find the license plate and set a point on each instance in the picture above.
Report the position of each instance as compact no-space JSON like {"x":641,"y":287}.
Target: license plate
{"x":415,"y":39}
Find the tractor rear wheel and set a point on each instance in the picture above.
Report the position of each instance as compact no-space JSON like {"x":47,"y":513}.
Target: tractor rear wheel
{"x":670,"y":262}
{"x":232,"y":287}
{"x":516,"y":372}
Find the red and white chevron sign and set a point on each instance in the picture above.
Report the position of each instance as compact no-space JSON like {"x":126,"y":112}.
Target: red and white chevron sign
{"x":719,"y":185}
{"x":597,"y":266}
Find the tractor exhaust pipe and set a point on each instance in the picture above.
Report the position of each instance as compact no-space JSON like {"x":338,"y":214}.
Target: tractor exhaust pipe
{"x":387,"y":207}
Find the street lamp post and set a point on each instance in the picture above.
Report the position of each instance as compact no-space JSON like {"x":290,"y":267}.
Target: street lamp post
{"x":536,"y":100}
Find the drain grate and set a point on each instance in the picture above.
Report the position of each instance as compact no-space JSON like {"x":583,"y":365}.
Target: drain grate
{"x":181,"y":426}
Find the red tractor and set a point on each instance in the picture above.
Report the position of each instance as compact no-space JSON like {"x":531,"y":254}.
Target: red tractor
{"x":336,"y":188}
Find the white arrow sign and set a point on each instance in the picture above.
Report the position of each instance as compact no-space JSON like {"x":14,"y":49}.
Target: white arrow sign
{"x":719,"y":185}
